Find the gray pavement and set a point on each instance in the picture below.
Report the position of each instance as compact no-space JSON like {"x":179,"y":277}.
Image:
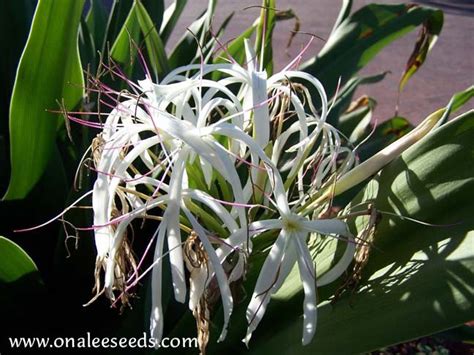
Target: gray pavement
{"x":449,"y":67}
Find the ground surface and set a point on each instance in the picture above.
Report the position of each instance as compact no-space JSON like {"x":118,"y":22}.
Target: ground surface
{"x":449,"y":67}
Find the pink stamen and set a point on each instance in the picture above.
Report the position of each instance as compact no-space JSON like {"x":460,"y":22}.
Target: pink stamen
{"x":299,"y":56}
{"x":85,"y":122}
{"x":142,"y":60}
{"x":54,"y":218}
{"x":223,"y":47}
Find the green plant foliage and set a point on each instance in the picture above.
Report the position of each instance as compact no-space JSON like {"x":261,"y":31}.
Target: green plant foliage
{"x":362,"y":35}
{"x":123,"y":50}
{"x":426,"y":39}
{"x":155,"y":48}
{"x":457,"y":101}
{"x":265,"y":28}
{"x":346,"y":93}
{"x":418,"y":280}
{"x":197,"y":41}
{"x":15,"y":263}
{"x":170,"y":18}
{"x":96,"y":21}
{"x":49,"y":70}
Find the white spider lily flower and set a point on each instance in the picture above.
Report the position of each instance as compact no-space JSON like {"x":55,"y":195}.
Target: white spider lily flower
{"x":169,"y":146}
{"x":290,"y":247}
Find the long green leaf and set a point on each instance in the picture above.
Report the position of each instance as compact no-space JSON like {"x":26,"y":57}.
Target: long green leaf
{"x":97,"y":20}
{"x":170,"y":18}
{"x":263,"y":41}
{"x":14,"y":262}
{"x":346,"y":93}
{"x":427,"y":37}
{"x":118,"y":14}
{"x":343,"y":13}
{"x":123,"y":51}
{"x":457,"y":101}
{"x":361,"y":36}
{"x":155,"y":47}
{"x":187,"y":49}
{"x":49,"y":70}
{"x":419,"y":278}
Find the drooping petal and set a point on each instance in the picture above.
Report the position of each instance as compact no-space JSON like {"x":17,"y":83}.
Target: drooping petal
{"x":337,"y":270}
{"x":173,"y":231}
{"x":274,"y":271}
{"x":226,"y":295}
{"x":156,"y":315}
{"x":308,"y":278}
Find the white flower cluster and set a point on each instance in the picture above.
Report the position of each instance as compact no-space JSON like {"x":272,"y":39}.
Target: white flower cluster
{"x":210,"y":145}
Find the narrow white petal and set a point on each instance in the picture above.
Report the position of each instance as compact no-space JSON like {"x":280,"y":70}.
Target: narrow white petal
{"x":156,"y":315}
{"x":240,"y":237}
{"x":341,"y":265}
{"x":327,"y":226}
{"x":226,"y":295}
{"x":274,"y":271}
{"x":261,"y":118}
{"x":173,"y":231}
{"x":308,"y":278}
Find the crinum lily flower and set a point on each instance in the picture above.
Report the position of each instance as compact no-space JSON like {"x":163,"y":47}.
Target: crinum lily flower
{"x":227,"y":160}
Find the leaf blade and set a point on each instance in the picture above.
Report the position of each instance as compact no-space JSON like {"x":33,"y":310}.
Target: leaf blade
{"x":361,"y":36}
{"x":49,"y":70}
{"x":418,"y":277}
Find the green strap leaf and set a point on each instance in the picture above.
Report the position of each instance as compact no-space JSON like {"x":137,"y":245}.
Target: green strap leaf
{"x":123,"y":51}
{"x":170,"y":18}
{"x":49,"y":70}
{"x":457,"y":101}
{"x":346,"y":93}
{"x":14,"y":263}
{"x":235,"y":50}
{"x":187,"y":50}
{"x":343,"y":14}
{"x":96,"y":21}
{"x":155,"y":47}
{"x":263,"y":41}
{"x":418,"y":279}
{"x":427,"y":37}
{"x":362,"y":35}
{"x":118,"y":14}
{"x":20,"y":282}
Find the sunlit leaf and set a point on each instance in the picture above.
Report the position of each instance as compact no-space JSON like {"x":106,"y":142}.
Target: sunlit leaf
{"x":427,"y":37}
{"x":418,"y":277}
{"x":263,"y":43}
{"x":49,"y":70}
{"x":155,"y":47}
{"x":359,"y":38}
{"x":170,"y":18}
